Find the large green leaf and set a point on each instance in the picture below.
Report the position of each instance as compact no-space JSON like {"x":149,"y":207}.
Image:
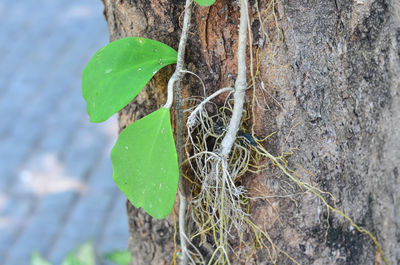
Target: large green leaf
{"x":118,"y":71}
{"x":145,"y":164}
{"x":205,"y":2}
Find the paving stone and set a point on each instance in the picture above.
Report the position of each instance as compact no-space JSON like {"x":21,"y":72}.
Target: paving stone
{"x":11,"y":218}
{"x":56,"y":187}
{"x":84,"y":223}
{"x":45,"y":82}
{"x":114,"y":234}
{"x":91,"y":213}
{"x":101,"y":178}
{"x":42,"y":227}
{"x":25,"y":132}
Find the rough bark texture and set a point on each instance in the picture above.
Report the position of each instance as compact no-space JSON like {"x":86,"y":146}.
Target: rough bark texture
{"x":336,"y":74}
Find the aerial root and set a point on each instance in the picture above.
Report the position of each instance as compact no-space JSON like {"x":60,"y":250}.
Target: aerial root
{"x":220,"y":206}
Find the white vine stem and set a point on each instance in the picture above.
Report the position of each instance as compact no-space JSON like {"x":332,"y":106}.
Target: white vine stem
{"x":240,"y":84}
{"x":174,"y":84}
{"x":239,"y":96}
{"x":177,"y":76}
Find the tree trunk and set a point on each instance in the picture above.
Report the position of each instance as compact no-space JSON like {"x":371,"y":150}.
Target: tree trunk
{"x":328,"y":84}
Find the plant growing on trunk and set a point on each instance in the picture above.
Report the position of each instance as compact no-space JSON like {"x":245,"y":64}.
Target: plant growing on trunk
{"x":146,"y":162}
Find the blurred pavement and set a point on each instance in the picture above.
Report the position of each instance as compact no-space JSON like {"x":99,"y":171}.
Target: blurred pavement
{"x":56,"y":188}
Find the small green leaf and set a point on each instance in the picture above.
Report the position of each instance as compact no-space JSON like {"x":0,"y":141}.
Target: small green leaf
{"x":119,"y":257}
{"x":37,"y":259}
{"x":145,"y":164}
{"x":205,"y":2}
{"x":85,"y":254}
{"x":118,"y":71}
{"x":70,"y":259}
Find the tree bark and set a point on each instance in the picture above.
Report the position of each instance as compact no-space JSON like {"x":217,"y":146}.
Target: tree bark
{"x":332,"y":94}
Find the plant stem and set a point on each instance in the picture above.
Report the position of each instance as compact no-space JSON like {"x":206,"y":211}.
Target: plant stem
{"x":177,"y":76}
{"x":240,"y":85}
{"x":174,"y":87}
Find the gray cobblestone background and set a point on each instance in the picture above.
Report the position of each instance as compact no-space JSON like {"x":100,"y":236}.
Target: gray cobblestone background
{"x":56,"y":188}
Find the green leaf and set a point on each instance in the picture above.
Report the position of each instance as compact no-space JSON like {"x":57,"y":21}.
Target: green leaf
{"x":118,"y":71}
{"x":119,"y":257}
{"x":145,"y":164}
{"x":71,"y":260}
{"x":37,"y":259}
{"x":85,"y":255}
{"x":205,"y":2}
